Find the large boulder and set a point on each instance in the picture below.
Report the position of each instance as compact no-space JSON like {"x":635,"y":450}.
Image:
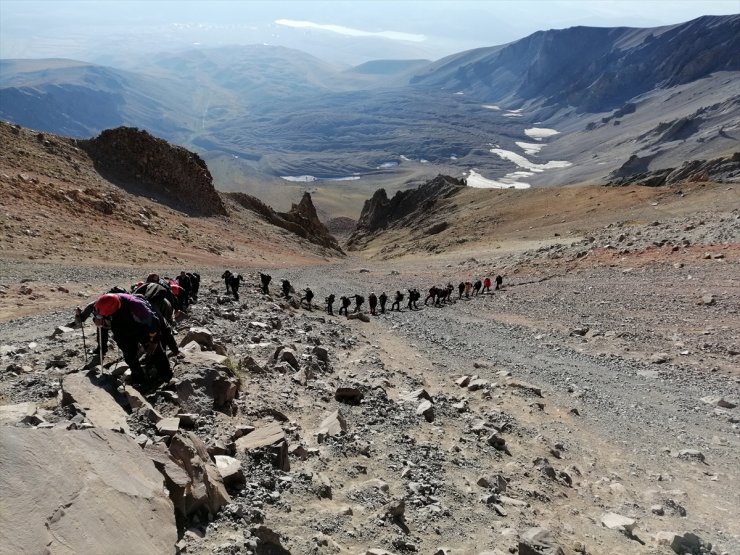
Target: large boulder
{"x":205,"y":488}
{"x":92,"y":394}
{"x":81,"y":491}
{"x":200,"y":388}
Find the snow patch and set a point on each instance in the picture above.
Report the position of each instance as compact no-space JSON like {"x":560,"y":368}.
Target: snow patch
{"x":530,"y":148}
{"x":522,"y":162}
{"x":491,"y":107}
{"x":476,"y":180}
{"x":540,"y":132}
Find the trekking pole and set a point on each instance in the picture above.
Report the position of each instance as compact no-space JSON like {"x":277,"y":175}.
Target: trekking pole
{"x":84,"y":343}
{"x":100,"y":349}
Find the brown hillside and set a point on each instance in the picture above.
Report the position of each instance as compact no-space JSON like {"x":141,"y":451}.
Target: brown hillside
{"x":58,"y":207}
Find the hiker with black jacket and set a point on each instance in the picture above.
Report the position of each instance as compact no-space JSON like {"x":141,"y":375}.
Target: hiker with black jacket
{"x":134,"y":323}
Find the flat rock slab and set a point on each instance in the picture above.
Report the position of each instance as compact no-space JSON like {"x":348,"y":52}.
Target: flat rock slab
{"x":615,"y":521}
{"x":100,"y":408}
{"x":261,"y":437}
{"x":10,"y":415}
{"x":333,"y":425}
{"x":81,"y":491}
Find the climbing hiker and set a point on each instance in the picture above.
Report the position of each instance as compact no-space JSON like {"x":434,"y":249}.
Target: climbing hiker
{"x":265,"y":281}
{"x":487,"y":285}
{"x":372,"y":302}
{"x":226,"y":276}
{"x":346,"y":301}
{"x":460,"y":289}
{"x":134,"y":323}
{"x":499,"y":281}
{"x":286,"y":288}
{"x":359,"y":301}
{"x":101,"y":349}
{"x":383,"y":299}
{"x":476,"y":286}
{"x":308,"y":297}
{"x":330,"y":304}
{"x":397,"y":301}
{"x":234,"y":281}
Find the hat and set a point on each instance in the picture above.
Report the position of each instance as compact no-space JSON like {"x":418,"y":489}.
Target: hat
{"x":107,"y":304}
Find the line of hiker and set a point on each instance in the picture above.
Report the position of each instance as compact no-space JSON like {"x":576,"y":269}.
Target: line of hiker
{"x":376,"y":303}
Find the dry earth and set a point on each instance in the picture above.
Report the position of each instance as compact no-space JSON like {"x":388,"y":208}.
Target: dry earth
{"x":601,"y":363}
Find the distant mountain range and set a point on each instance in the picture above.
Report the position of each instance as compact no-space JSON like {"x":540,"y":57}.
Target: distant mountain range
{"x":260,"y":112}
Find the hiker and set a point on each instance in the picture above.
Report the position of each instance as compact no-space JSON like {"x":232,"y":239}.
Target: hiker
{"x":330,"y":304}
{"x":102,"y":347}
{"x":373,"y":302}
{"x":346,"y":301}
{"x":308,"y":297}
{"x":433,"y":294}
{"x":134,"y":323}
{"x":161,"y":299}
{"x":265,"y":280}
{"x":397,"y":301}
{"x":235,"y":280}
{"x":178,"y":292}
{"x":184,"y":282}
{"x":414,"y":296}
{"x":468,"y":287}
{"x":460,"y":289}
{"x":383,"y":299}
{"x":194,"y":286}
{"x":226,"y":276}
{"x":359,"y":300}
{"x":476,"y":287}
{"x":499,"y":281}
{"x":487,"y":285}
{"x":446,"y":294}
{"x":286,"y":288}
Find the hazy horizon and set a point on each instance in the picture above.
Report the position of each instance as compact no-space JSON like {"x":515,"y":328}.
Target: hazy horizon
{"x":347,"y":32}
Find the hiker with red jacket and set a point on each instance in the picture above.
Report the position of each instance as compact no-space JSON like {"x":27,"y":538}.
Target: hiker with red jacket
{"x":487,"y":285}
{"x":134,"y":323}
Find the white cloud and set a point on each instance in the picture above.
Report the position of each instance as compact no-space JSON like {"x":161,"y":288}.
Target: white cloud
{"x":349,"y":31}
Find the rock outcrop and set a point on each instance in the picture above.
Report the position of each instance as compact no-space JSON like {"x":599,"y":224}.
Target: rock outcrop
{"x":140,"y":161}
{"x":634,"y":172}
{"x":380,"y":212}
{"x":301,"y":219}
{"x":81,"y":491}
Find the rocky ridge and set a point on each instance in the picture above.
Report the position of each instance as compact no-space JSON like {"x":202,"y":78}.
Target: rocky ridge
{"x":407,"y":209}
{"x":134,"y":158}
{"x":301,"y":219}
{"x":719,"y":170}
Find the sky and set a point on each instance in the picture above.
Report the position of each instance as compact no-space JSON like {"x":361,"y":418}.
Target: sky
{"x":341,"y":31}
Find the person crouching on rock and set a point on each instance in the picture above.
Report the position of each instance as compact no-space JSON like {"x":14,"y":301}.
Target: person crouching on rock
{"x":373,"y":301}
{"x":134,"y":323}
